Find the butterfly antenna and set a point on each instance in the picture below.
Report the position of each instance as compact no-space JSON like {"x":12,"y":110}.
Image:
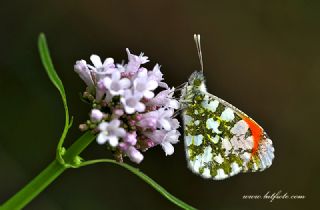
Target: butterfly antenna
{"x":198,"y":44}
{"x":177,"y":112}
{"x":181,"y":86}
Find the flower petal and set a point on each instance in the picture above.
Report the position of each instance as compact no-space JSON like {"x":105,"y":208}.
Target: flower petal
{"x":114,"y":123}
{"x":135,"y":155}
{"x":173,"y":136}
{"x":129,"y":110}
{"x":108,"y":61}
{"x":168,"y":148}
{"x":103,"y":126}
{"x":96,"y":61}
{"x":120,"y":132}
{"x":165,"y":124}
{"x":107,"y":82}
{"x":163,"y":85}
{"x":174,"y":123}
{"x":148,"y":94}
{"x":113,"y":141}
{"x":143,"y":73}
{"x":140,"y":107}
{"x":152,"y":84}
{"x":115,"y":76}
{"x":125,"y":83}
{"x":156,"y":136}
{"x":131,"y":138}
{"x":101,"y":138}
{"x":174,"y":104}
{"x":81,"y":68}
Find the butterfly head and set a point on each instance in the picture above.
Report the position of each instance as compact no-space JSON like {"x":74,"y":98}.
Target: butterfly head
{"x":195,"y":86}
{"x":196,"y":82}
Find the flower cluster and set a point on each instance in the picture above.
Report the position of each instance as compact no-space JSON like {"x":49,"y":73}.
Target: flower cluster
{"x":132,"y":108}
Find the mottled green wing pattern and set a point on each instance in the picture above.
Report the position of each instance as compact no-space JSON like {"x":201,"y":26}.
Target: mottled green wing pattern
{"x":220,"y":140}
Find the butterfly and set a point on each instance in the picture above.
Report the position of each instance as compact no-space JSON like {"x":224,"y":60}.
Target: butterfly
{"x":220,"y":140}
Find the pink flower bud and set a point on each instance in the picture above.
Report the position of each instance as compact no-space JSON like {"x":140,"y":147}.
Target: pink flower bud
{"x":132,"y":122}
{"x":124,"y":74}
{"x":149,"y":143}
{"x":138,"y":117}
{"x":153,"y":108}
{"x":118,"y":112}
{"x":96,"y":115}
{"x":123,"y":146}
{"x":135,"y":155}
{"x":131,"y":138}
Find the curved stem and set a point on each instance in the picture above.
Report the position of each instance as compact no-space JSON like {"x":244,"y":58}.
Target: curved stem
{"x":48,"y":66}
{"x":47,"y":176}
{"x":51,"y":172}
{"x":145,"y":178}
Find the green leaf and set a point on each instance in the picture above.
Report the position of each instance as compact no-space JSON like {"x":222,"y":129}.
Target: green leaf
{"x":145,"y":178}
{"x":48,"y":66}
{"x":47,"y":63}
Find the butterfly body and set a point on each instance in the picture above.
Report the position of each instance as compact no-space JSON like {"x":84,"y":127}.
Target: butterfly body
{"x":220,"y":140}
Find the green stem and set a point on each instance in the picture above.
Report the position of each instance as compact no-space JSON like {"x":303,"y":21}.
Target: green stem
{"x":47,"y":176}
{"x":145,"y":178}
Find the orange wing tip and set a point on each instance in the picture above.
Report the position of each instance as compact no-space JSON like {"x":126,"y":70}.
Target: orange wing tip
{"x":256,"y":132}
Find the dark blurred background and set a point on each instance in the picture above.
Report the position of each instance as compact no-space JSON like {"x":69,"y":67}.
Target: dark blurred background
{"x":261,"y":56}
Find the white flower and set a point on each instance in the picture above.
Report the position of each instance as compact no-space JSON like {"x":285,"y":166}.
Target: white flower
{"x":121,"y":67}
{"x":157,"y":75}
{"x":156,"y":136}
{"x":172,"y":137}
{"x":127,"y":146}
{"x":115,"y":85}
{"x":110,"y":132}
{"x":174,"y":123}
{"x":164,"y":98}
{"x":143,"y":85}
{"x":102,"y":69}
{"x":161,"y":118}
{"x":164,"y":118}
{"x":82,"y":69}
{"x":165,"y":139}
{"x":131,"y":102}
{"x":135,"y":61}
{"x":148,"y":120}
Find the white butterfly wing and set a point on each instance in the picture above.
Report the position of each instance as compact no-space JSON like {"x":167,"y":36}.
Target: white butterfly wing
{"x":220,"y":140}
